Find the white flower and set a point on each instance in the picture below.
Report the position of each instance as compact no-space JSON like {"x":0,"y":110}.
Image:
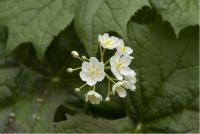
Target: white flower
{"x":119,"y":65}
{"x":118,"y":87}
{"x":94,"y":97}
{"x":92,"y":71}
{"x":131,"y":80}
{"x":108,"y":42}
{"x":124,"y":49}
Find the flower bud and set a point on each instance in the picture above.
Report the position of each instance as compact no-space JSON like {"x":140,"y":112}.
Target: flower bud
{"x":69,"y":70}
{"x":12,"y":115}
{"x":77,"y":89}
{"x":84,"y":57}
{"x":75,"y":54}
{"x":107,"y":99}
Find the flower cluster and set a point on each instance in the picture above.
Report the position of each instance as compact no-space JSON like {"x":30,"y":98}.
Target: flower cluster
{"x":93,"y":70}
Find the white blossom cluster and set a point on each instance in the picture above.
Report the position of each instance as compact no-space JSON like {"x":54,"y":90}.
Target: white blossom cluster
{"x":93,"y":70}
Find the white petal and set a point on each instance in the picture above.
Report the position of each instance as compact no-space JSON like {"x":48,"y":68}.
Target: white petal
{"x":121,"y":92}
{"x":116,"y":85}
{"x":101,"y":76}
{"x":126,"y":85}
{"x":100,"y":67}
{"x":118,"y":54}
{"x":91,"y":92}
{"x":112,"y":61}
{"x":100,"y":38}
{"x":132,"y":88}
{"x":129,"y":50}
{"x":116,"y":73}
{"x":125,"y":71}
{"x":94,"y":61}
{"x":97,"y":95}
{"x":127,"y":60}
{"x":121,"y":42}
{"x":83,"y":76}
{"x":85,"y":66}
{"x":131,"y":76}
{"x":114,"y":88}
{"x":91,"y":81}
{"x":105,"y":35}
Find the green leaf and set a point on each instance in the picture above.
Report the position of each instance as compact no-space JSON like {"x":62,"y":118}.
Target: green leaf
{"x":167,"y":72}
{"x":98,"y":16}
{"x":35,"y":113}
{"x":180,"y":13}
{"x":87,"y":124}
{"x":35,"y":21}
{"x":3,"y":33}
{"x":7,"y":82}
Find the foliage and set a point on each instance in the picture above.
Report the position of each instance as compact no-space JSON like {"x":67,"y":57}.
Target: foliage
{"x":37,"y":37}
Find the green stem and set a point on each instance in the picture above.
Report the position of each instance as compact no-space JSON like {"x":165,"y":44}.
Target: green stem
{"x":108,"y":67}
{"x":83,"y":85}
{"x":93,"y":88}
{"x":108,"y":89}
{"x":101,"y":53}
{"x":78,"y":68}
{"x":110,"y":78}
{"x":107,"y":61}
{"x":80,"y":59}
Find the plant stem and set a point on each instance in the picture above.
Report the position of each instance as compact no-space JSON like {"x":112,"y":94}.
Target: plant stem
{"x":108,"y":88}
{"x":78,"y":68}
{"x":93,"y":88}
{"x":110,"y":78}
{"x":101,"y":53}
{"x":83,"y":85}
{"x":108,"y":67}
{"x":107,"y":61}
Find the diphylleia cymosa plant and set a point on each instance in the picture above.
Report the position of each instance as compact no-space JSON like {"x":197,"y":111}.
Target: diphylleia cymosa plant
{"x":93,"y":70}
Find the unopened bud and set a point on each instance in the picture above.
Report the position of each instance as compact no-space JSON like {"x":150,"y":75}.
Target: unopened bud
{"x":107,"y":99}
{"x":36,"y":116}
{"x":77,"y":89}
{"x":75,"y":54}
{"x":84,"y":57}
{"x":12,"y":115}
{"x":69,"y":70}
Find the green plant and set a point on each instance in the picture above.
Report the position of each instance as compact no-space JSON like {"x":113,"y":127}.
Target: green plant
{"x":36,"y":40}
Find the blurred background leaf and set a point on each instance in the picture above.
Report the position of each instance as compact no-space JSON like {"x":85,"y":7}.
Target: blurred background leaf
{"x":35,"y":21}
{"x":180,"y":13}
{"x":167,"y":72}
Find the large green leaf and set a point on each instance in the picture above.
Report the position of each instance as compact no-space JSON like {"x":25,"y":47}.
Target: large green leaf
{"x":8,"y":72}
{"x":180,"y":13}
{"x":36,"y":96}
{"x":98,"y":16}
{"x":167,"y":72}
{"x":36,"y":21}
{"x":87,"y":124}
{"x":35,"y":113}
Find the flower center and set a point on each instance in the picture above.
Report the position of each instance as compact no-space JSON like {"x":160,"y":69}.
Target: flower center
{"x":93,"y":72}
{"x":119,"y":64}
{"x":123,"y":48}
{"x":107,"y":42}
{"x":92,"y":98}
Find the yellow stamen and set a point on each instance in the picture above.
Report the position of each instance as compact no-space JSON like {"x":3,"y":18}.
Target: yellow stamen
{"x":123,"y":49}
{"x":107,"y":42}
{"x":119,"y":64}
